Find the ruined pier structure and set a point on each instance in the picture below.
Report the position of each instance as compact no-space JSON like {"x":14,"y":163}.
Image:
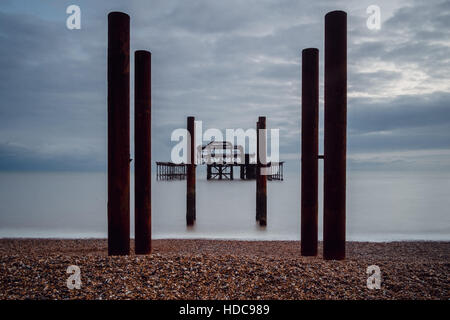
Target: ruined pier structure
{"x":220,"y":158}
{"x":260,"y":171}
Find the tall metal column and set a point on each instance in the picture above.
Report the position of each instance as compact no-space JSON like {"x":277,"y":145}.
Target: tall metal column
{"x":118,"y":133}
{"x":257,"y":172}
{"x":190,"y":192}
{"x":262,"y":177}
{"x":335,"y":135}
{"x":310,"y":150}
{"x":142,"y":164}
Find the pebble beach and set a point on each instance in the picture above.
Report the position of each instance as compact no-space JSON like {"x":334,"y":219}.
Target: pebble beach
{"x":214,"y":269}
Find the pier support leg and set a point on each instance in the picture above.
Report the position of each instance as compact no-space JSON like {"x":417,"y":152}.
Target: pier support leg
{"x":118,"y":133}
{"x":310,"y":151}
{"x":142,"y":153}
{"x":190,"y":194}
{"x":208,"y":172}
{"x":335,"y":135}
{"x":262,"y":157}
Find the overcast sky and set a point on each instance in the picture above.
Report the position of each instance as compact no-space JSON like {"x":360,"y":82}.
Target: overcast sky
{"x":226,"y":63}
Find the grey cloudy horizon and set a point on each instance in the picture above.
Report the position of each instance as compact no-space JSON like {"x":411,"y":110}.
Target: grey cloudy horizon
{"x":226,"y":63}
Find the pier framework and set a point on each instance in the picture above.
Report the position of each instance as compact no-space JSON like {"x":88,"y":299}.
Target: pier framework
{"x":170,"y":171}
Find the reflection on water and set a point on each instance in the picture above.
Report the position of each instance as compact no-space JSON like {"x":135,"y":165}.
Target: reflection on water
{"x":387,"y":206}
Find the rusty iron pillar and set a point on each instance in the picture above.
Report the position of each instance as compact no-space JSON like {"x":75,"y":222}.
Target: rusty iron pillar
{"x":335,"y":135}
{"x":118,"y":133}
{"x":310,"y":151}
{"x":190,"y":192}
{"x":142,"y":152}
{"x":257,"y":172}
{"x":262,"y":176}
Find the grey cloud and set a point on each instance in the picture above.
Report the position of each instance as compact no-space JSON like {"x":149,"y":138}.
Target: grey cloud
{"x":225,"y":63}
{"x":407,"y":112}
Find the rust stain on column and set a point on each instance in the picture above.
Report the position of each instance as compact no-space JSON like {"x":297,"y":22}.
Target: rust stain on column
{"x":118,"y":133}
{"x":335,"y":135}
{"x":310,"y":149}
{"x":262,"y":191}
{"x":142,"y":153}
{"x":190,"y":194}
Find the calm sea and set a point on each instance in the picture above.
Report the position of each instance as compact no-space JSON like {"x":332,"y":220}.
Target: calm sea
{"x":380,"y":207}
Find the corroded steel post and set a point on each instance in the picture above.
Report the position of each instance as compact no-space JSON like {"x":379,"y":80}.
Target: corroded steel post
{"x":142,"y":152}
{"x":190,"y":194}
{"x":257,"y":172}
{"x":118,"y":133}
{"x":310,"y":150}
{"x":262,"y":177}
{"x":335,"y":135}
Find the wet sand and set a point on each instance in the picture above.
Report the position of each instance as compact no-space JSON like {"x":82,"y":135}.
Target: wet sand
{"x":213,"y":269}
